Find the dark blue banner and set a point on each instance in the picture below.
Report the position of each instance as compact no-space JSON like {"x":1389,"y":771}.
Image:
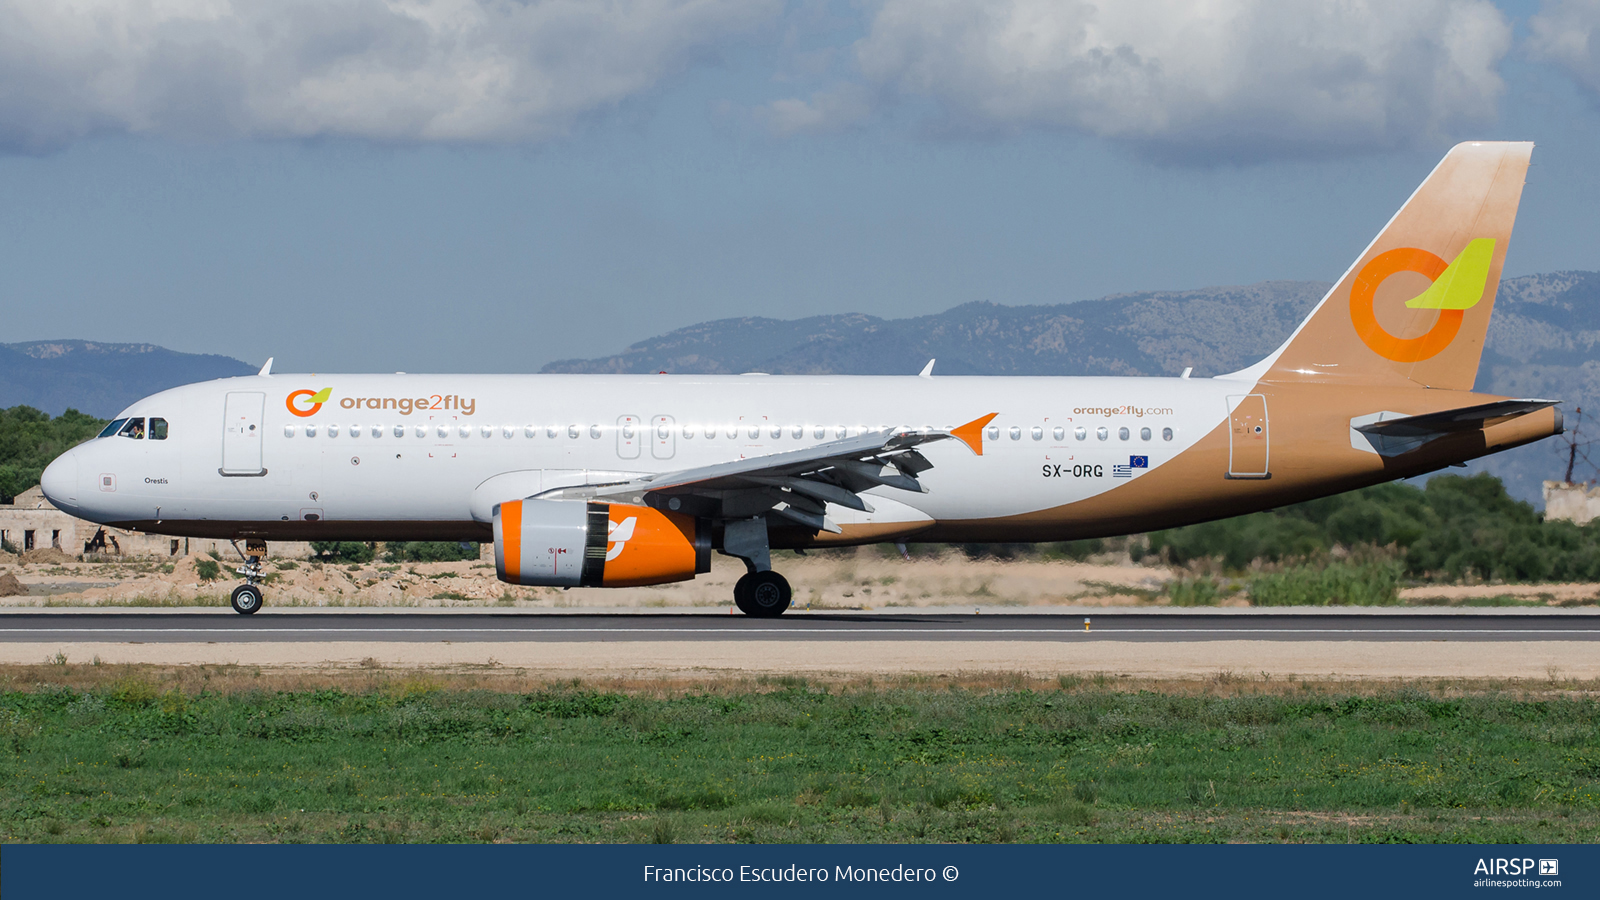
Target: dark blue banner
{"x":432,"y":871}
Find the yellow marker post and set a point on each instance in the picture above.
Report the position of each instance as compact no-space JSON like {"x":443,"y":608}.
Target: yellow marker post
{"x":1086,"y":624}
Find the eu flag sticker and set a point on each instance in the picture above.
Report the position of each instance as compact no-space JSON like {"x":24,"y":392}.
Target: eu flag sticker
{"x":1138,"y":462}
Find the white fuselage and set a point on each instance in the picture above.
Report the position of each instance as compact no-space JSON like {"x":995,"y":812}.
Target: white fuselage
{"x":426,"y":456}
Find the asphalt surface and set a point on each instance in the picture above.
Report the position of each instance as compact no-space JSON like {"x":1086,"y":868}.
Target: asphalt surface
{"x":221,"y":626}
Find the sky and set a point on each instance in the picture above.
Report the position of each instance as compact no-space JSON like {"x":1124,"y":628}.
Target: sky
{"x":488,"y":185}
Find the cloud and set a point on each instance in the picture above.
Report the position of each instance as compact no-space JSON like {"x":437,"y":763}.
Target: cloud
{"x":1179,"y":79}
{"x":1567,"y":33}
{"x":386,"y":70}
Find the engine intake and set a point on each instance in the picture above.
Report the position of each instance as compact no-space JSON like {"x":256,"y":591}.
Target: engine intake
{"x":570,"y":543}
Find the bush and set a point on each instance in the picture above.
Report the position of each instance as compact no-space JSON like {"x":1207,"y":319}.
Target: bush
{"x":208,"y":570}
{"x":1375,"y":583}
{"x":342,"y":551}
{"x":430,"y":551}
{"x":1194,"y":592}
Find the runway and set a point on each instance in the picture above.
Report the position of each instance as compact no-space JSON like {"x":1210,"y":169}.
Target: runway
{"x":222,"y":626}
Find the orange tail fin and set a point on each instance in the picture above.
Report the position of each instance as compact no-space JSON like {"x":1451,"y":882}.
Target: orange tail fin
{"x":1414,"y":308}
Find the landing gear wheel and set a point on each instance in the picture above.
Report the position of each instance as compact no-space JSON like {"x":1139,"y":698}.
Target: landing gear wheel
{"x":767,"y":595}
{"x":741,"y":594}
{"x":246,"y":599}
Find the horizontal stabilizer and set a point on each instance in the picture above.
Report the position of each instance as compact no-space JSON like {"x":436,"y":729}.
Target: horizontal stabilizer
{"x":1467,"y":418}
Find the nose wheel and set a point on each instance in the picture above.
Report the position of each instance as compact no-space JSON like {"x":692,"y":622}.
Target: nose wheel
{"x":247,"y":598}
{"x":763,"y":595}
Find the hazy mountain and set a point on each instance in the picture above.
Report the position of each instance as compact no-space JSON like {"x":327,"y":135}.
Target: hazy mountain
{"x":100,"y":379}
{"x":1541,"y":344}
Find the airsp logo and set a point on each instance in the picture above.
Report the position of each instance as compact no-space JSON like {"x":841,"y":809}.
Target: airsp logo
{"x":1502,"y":866}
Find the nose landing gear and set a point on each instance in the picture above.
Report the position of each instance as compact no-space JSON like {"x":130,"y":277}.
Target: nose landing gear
{"x":247,"y":598}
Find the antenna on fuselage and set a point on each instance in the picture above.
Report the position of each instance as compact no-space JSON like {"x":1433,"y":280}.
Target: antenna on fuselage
{"x":927,"y":370}
{"x":266,"y":369}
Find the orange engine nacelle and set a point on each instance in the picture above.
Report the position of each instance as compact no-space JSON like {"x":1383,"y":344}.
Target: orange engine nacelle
{"x":570,"y":543}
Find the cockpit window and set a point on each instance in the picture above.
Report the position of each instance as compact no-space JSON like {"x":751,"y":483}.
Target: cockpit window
{"x":158,"y":429}
{"x":134,"y":429}
{"x":113,"y":428}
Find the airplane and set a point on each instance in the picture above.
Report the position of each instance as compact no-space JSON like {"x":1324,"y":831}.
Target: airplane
{"x":622,"y":480}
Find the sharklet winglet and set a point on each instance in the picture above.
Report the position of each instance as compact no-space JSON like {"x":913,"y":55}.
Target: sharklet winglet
{"x":971,"y":433}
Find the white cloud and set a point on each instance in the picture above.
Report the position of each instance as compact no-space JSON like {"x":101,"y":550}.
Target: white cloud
{"x":388,"y":70}
{"x":1567,"y":33}
{"x":1194,"y":78}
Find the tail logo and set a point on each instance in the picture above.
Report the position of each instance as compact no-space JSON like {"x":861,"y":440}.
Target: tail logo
{"x":1457,"y":287}
{"x":315,"y":399}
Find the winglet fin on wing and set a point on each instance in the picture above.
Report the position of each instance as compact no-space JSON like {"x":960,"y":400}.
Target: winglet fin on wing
{"x":971,"y":433}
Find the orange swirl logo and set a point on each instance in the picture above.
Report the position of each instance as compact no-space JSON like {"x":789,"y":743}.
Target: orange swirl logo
{"x":315,"y":399}
{"x":1456,"y":288}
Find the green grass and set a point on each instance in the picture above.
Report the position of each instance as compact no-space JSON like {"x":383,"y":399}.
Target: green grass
{"x":129,"y":760}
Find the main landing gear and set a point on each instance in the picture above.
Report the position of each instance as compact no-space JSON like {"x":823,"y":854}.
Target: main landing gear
{"x":247,"y":597}
{"x":761,"y":593}
{"x":764,"y":595}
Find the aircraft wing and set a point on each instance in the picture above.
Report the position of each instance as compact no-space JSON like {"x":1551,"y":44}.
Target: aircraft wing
{"x":795,"y":484}
{"x":1467,"y":418}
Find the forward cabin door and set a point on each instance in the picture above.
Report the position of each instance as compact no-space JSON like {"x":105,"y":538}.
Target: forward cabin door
{"x":242,"y":433}
{"x":1248,"y":437}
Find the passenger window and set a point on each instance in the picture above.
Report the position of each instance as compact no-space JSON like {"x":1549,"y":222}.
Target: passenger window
{"x":777,"y":432}
{"x":1038,"y":433}
{"x":1166,"y":434}
{"x":733,"y":431}
{"x":443,"y":431}
{"x":1144,"y":434}
{"x":355,"y":431}
{"x":572,"y":432}
{"x":799,"y":432}
{"x":464,"y":431}
{"x":594,"y":431}
{"x":819,"y":432}
{"x":488,"y":431}
{"x":1016,"y":432}
{"x":288,"y":431}
{"x":422,"y":431}
{"x":113,"y":428}
{"x":377,"y":431}
{"x":399,"y":431}
{"x":755,"y":431}
{"x":311,"y":431}
{"x":1102,"y":432}
{"x":158,"y":429}
{"x":1080,"y":433}
{"x":550,"y":431}
{"x":688,"y":432}
{"x":507,"y":431}
{"x":994,"y":432}
{"x":1122,"y":434}
{"x":530,"y":431}
{"x":1060,"y":433}
{"x":333,"y":431}
{"x":134,"y":429}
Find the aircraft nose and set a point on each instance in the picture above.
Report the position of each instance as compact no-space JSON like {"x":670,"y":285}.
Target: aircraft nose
{"x":60,"y":481}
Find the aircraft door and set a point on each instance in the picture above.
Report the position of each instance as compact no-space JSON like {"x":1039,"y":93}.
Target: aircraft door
{"x":629,"y":437}
{"x":1248,"y":436}
{"x":242,"y":433}
{"x":663,"y":437}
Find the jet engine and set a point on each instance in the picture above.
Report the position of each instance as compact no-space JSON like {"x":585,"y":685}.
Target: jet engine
{"x":571,"y":543}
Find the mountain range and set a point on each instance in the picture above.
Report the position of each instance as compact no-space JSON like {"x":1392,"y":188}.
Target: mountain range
{"x":99,"y":378}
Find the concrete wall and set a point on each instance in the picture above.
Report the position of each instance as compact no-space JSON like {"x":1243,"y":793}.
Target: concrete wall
{"x":1574,"y":502}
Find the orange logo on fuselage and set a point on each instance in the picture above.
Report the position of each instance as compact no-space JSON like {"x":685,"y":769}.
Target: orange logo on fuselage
{"x":314,"y":398}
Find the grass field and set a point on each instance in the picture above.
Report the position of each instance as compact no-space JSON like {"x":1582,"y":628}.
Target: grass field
{"x":92,"y":753}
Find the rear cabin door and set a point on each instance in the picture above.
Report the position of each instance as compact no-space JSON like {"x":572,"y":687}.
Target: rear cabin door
{"x":242,"y":433}
{"x":1248,"y":437}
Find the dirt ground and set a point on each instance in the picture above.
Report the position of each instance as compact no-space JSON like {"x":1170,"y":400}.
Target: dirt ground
{"x":1551,"y":661}
{"x":863,"y":578}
